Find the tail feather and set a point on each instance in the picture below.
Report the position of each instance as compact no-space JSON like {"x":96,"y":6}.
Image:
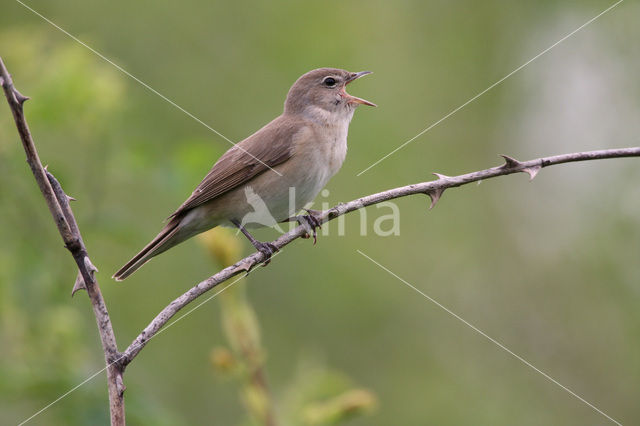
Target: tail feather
{"x":162,"y":242}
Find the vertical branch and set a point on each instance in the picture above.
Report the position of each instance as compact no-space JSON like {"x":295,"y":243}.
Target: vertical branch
{"x":58,"y":203}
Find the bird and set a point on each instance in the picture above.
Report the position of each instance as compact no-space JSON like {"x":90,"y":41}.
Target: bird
{"x":285,"y":164}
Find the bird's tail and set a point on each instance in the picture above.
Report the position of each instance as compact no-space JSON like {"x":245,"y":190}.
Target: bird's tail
{"x":162,"y":242}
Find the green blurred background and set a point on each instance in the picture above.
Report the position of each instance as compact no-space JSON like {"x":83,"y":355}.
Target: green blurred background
{"x":550,"y":268}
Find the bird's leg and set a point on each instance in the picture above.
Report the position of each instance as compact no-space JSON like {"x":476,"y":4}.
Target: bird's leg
{"x":267,"y":249}
{"x":311,"y":221}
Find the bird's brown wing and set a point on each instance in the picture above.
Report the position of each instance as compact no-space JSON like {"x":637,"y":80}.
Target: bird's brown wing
{"x":271,"y":145}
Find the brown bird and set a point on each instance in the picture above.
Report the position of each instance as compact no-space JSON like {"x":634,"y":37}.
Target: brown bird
{"x":268,"y":177}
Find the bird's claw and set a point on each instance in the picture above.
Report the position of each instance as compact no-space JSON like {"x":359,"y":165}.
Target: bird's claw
{"x":311,"y":222}
{"x":268,"y":250}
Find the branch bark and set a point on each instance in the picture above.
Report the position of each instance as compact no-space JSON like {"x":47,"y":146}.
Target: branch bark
{"x":434,"y":189}
{"x":58,"y":203}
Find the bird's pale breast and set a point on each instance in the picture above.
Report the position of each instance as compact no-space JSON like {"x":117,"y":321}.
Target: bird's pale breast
{"x":319,"y":151}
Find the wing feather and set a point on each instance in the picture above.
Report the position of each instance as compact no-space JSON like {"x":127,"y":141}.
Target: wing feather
{"x":272,"y":145}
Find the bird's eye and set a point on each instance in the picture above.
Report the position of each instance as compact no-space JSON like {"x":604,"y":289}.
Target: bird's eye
{"x":329,"y":81}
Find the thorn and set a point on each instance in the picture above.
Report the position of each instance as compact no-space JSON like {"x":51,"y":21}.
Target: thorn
{"x":20,"y":97}
{"x":510,"y":162}
{"x":435,"y":195}
{"x":70,"y":198}
{"x":441,"y":176}
{"x":90,"y":266}
{"x":121,"y":387}
{"x":78,"y":285}
{"x":46,"y":168}
{"x":532,"y":171}
{"x":244,"y":265}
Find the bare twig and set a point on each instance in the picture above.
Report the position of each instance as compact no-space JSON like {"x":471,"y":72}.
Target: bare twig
{"x":58,"y":203}
{"x":434,"y":189}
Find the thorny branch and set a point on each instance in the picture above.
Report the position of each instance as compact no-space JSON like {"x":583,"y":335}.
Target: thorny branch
{"x":58,"y":203}
{"x":434,"y":189}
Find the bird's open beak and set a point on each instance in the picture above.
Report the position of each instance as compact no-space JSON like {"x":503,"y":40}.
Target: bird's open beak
{"x":353,"y":99}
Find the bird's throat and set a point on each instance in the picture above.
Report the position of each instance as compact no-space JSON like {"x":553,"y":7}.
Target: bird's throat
{"x":339,"y":117}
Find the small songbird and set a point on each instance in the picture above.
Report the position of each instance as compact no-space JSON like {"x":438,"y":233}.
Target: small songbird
{"x":280,"y":168}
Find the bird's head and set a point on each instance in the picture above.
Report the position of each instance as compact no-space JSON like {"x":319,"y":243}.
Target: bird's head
{"x":323,"y":91}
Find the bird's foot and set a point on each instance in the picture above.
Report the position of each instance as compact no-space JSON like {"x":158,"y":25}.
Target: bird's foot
{"x":267,"y":249}
{"x":311,"y":221}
